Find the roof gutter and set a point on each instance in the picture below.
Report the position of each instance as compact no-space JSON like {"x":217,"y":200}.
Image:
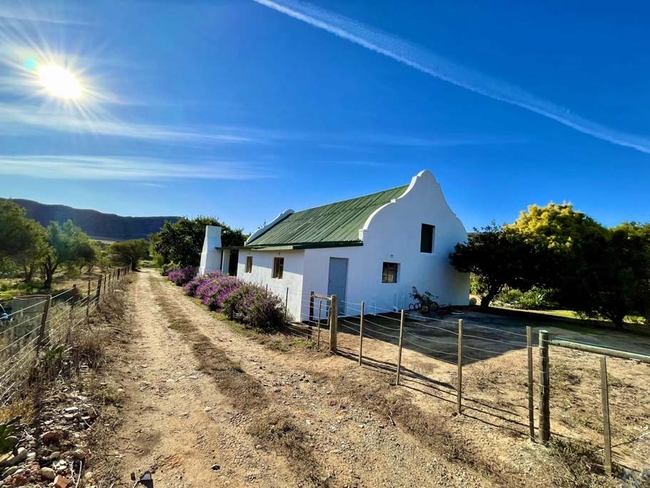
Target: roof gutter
{"x":304,"y":245}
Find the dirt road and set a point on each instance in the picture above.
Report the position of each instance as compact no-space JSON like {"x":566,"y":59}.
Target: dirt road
{"x":181,"y":422}
{"x":207,"y":406}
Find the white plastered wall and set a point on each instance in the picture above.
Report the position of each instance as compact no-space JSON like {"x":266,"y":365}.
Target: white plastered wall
{"x":261,"y":274}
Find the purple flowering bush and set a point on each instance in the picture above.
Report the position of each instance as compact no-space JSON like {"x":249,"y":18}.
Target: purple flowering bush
{"x":182,"y":276}
{"x":219,"y":290}
{"x":243,"y":302}
{"x":191,"y":287}
{"x":255,"y":307}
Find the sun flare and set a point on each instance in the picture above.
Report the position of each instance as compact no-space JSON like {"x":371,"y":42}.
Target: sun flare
{"x":59,"y":82}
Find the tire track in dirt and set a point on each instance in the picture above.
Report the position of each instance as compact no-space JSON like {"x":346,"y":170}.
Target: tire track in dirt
{"x":175,"y":421}
{"x":275,"y":430}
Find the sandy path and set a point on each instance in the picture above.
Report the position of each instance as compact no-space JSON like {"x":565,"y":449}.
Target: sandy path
{"x":179,"y":424}
{"x":176,"y":422}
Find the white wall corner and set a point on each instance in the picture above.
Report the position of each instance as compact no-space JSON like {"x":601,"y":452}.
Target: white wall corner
{"x":211,"y":253}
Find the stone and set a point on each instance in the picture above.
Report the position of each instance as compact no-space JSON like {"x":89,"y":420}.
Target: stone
{"x":11,"y":441}
{"x":48,"y":474}
{"x":60,"y":482}
{"x":54,"y":456}
{"x":18,"y":458}
{"x":31,"y":457}
{"x":216,"y":467}
{"x":10,"y":471}
{"x":71,"y":409}
{"x":52,"y":437}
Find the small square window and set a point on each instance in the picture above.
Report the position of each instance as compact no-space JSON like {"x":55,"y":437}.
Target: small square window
{"x":427,"y":237}
{"x":389,"y":273}
{"x":249,"y":264}
{"x":278,"y":267}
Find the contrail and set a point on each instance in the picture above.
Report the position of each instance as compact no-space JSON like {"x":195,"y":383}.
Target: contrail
{"x":441,"y":68}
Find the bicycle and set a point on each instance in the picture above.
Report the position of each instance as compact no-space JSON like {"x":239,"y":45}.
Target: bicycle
{"x":426,"y":302}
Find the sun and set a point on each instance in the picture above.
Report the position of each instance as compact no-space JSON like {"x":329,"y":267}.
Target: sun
{"x":59,"y":82}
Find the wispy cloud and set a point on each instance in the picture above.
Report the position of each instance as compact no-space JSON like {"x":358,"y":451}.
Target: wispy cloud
{"x":19,"y":120}
{"x":20,"y":11}
{"x":446,"y":70}
{"x":435,"y":140}
{"x":126,"y":168}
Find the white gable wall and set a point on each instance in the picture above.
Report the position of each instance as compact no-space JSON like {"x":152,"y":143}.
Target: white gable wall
{"x":261,"y":274}
{"x":392,"y":234}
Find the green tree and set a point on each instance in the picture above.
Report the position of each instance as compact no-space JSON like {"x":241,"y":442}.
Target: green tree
{"x":181,"y":242}
{"x":67,"y":244}
{"x":595,"y":271}
{"x":21,"y":238}
{"x":497,"y":257}
{"x":129,"y":252}
{"x":557,"y":226}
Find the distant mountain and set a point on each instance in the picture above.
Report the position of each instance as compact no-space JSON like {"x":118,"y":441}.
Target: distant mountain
{"x":97,"y":225}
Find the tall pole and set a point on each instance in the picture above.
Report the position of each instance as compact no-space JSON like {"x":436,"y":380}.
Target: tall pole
{"x":531,"y":393}
{"x":399,"y":352}
{"x":604,"y":388}
{"x":459,"y":389}
{"x":361,"y":333}
{"x":544,"y":389}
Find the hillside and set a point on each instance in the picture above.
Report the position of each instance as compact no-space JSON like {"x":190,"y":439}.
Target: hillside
{"x":97,"y":225}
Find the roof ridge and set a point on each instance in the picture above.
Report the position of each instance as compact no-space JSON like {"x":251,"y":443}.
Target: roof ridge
{"x":354,"y":198}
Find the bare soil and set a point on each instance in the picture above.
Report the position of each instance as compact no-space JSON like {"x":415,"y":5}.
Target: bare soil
{"x":206,"y":406}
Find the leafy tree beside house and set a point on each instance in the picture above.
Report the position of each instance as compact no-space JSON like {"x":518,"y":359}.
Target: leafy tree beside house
{"x":181,"y":242}
{"x":497,"y":257}
{"x":591,"y":270}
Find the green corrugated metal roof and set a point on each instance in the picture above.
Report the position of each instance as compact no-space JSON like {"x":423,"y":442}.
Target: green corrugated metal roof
{"x":335,"y":224}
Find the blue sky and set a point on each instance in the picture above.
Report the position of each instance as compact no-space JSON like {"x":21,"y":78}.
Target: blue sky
{"x":242,"y":108}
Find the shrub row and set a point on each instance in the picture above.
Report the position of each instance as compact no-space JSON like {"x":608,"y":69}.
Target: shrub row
{"x":181,"y":276}
{"x":243,"y":302}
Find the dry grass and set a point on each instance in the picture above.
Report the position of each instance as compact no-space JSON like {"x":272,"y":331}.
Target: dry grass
{"x":277,"y":431}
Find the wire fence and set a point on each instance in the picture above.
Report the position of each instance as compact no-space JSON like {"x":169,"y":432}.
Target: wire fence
{"x":494,"y":374}
{"x":38,"y":324}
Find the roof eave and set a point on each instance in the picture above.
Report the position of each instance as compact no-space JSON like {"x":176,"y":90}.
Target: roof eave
{"x":303,"y":245}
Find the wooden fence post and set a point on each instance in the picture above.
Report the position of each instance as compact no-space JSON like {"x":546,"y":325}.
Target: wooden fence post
{"x":286,"y":305}
{"x":544,"y":389}
{"x":88,"y":306}
{"x":361,"y":333}
{"x":311,"y":306}
{"x":459,"y":389}
{"x":531,"y":394}
{"x":99,"y":292}
{"x":604,"y":388}
{"x":399,"y":350}
{"x":43,"y":328}
{"x":334,"y":322}
{"x":320,"y":304}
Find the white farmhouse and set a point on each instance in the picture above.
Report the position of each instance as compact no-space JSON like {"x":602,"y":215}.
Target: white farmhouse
{"x":373,"y":248}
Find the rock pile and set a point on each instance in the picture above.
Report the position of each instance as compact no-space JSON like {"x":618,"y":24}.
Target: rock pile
{"x":52,"y":449}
